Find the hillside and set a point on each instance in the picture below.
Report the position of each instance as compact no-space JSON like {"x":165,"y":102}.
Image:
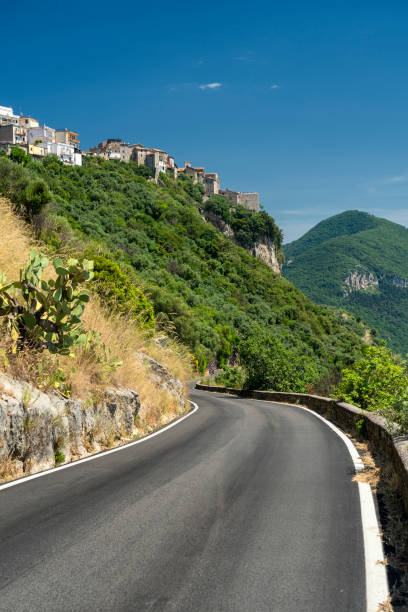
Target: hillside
{"x":358,"y":262}
{"x":205,"y":289}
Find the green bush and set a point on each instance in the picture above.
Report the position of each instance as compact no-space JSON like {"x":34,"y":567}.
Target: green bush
{"x":376,"y":382}
{"x":28,"y":192}
{"x":220,"y":207}
{"x":271,"y":366}
{"x":19,"y":156}
{"x":115,"y":287}
{"x":233,"y":377}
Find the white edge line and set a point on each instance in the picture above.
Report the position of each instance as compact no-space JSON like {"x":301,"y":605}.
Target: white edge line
{"x":377,"y":589}
{"x":72,"y":464}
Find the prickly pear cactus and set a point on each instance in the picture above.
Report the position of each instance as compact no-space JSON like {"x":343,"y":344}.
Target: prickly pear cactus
{"x":46,"y":314}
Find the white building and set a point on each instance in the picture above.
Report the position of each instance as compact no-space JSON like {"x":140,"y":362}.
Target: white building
{"x":7,"y":117}
{"x":40,"y":135}
{"x":65,"y":152}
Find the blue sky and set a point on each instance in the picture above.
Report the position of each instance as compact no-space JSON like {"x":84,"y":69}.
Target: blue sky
{"x":305,"y":102}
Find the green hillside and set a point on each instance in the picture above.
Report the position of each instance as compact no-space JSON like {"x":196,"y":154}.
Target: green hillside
{"x":215,"y":297}
{"x":371,"y":249}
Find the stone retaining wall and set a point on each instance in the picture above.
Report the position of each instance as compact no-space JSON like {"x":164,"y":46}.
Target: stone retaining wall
{"x":371,"y":426}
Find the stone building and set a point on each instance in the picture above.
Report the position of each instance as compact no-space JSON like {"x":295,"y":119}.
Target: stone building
{"x":211,"y":184}
{"x":155,"y":159}
{"x":115,"y":149}
{"x":197,"y":174}
{"x":249,"y":200}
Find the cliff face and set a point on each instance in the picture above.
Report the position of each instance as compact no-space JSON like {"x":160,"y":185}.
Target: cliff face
{"x":395,"y":280}
{"x":223,"y":227}
{"x":266,"y":252}
{"x":359,"y":280}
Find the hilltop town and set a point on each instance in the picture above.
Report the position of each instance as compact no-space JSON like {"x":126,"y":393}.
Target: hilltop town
{"x":19,"y":131}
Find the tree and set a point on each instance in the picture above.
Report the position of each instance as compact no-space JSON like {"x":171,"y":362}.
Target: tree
{"x":219,"y":206}
{"x":376,"y":382}
{"x":19,"y":156}
{"x":270,"y":366}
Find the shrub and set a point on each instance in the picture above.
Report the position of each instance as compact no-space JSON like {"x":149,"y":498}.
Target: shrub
{"x":19,"y":156}
{"x":115,"y":287}
{"x":219,"y":206}
{"x":233,"y":377}
{"x":377,"y":382}
{"x":270,"y":366}
{"x":28,"y":192}
{"x":34,"y":197}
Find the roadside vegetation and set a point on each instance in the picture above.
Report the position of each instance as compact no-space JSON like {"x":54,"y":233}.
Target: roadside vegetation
{"x":59,"y":334}
{"x":378,"y":382}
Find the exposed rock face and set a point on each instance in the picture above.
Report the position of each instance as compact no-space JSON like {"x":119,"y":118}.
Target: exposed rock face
{"x":163,"y":378}
{"x":397,"y":281}
{"x":37,"y":429}
{"x":359,"y":280}
{"x":266,"y":251}
{"x":219,"y":224}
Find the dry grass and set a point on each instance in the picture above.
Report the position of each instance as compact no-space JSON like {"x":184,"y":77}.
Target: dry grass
{"x":386,"y":606}
{"x":371,"y":472}
{"x":86,"y":374}
{"x":10,"y":469}
{"x":16,"y":241}
{"x":381,"y":475}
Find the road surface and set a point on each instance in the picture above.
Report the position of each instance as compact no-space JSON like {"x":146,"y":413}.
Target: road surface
{"x":245,"y":506}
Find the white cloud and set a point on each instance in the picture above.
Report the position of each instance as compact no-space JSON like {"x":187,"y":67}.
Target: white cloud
{"x":247,"y":59}
{"x":275,"y":86}
{"x":399,"y":178}
{"x":210,"y":86}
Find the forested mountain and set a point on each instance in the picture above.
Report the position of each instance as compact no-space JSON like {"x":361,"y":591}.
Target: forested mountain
{"x":155,"y":240}
{"x":358,"y":262}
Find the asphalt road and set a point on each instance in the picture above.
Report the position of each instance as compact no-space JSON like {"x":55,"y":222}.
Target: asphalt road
{"x":244,"y":506}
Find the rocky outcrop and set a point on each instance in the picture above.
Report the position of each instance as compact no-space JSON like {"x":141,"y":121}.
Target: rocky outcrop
{"x":266,"y":252}
{"x":360,"y":280}
{"x":223,"y":227}
{"x":160,"y":375}
{"x":396,"y":281}
{"x":40,"y":430}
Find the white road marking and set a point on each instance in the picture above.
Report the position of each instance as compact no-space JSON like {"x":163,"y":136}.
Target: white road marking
{"x":376,"y":575}
{"x":24,"y":479}
{"x":377,"y":589}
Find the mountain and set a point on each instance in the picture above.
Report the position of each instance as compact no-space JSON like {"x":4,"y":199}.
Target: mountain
{"x":357,"y":262}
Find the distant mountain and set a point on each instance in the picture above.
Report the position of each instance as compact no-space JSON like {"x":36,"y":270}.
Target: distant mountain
{"x":358,"y":262}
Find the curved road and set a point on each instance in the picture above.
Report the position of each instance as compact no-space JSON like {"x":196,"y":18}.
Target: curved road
{"x":244,"y":506}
